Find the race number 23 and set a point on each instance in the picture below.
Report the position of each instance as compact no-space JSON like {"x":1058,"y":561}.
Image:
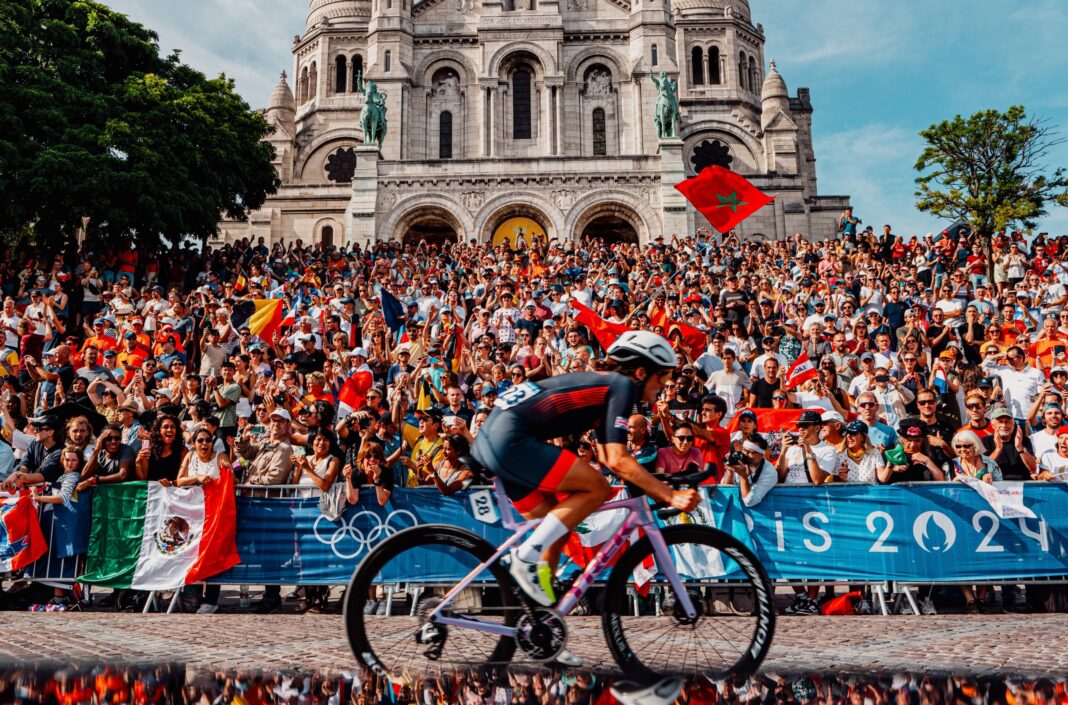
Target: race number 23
{"x":516,"y":394}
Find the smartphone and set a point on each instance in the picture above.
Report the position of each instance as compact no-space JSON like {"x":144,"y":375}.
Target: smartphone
{"x":257,"y":429}
{"x":299,"y":451}
{"x":1058,"y":350}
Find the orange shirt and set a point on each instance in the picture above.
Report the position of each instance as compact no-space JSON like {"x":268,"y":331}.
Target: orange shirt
{"x":1040,"y":352}
{"x":102,"y":342}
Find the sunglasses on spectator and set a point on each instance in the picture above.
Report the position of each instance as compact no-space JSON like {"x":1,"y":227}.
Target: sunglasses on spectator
{"x":976,"y":405}
{"x":779,"y":398}
{"x":962,"y":446}
{"x":684,"y":438}
{"x":866,"y":404}
{"x":926,"y":401}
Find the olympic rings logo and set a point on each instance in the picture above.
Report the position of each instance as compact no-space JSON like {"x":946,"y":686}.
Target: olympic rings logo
{"x":363,"y":529}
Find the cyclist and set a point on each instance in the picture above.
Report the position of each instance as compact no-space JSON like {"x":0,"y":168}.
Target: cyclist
{"x":514,"y":443}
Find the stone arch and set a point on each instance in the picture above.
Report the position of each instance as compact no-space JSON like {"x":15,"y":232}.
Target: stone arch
{"x":409,"y":211}
{"x":743,"y":144}
{"x":318,"y":151}
{"x":612,"y":202}
{"x":544,"y":65}
{"x":508,"y":205}
{"x":714,"y":75}
{"x":596,"y":55}
{"x":428,"y":64}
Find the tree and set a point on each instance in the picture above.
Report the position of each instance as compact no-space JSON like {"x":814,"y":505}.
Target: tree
{"x":989,"y":169}
{"x":94,"y":122}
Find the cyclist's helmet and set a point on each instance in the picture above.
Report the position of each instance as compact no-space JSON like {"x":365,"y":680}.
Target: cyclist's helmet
{"x":644,"y":349}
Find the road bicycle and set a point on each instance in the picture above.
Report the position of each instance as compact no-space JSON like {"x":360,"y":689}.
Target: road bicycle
{"x":716,"y":614}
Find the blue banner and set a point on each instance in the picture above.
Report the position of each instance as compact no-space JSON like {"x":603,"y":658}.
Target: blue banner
{"x":916,"y":533}
{"x":290,"y":541}
{"x":934,"y":532}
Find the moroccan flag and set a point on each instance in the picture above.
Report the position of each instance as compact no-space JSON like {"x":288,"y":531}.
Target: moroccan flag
{"x":353,"y":394}
{"x":262,"y":316}
{"x":801,"y":371}
{"x":150,"y":537}
{"x":21,"y":539}
{"x":723,"y":197}
{"x":605,"y":331}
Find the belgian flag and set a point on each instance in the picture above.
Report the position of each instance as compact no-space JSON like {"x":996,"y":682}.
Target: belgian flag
{"x":262,"y":316}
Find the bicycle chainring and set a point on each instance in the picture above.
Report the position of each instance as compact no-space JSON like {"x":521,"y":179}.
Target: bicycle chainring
{"x":541,"y":634}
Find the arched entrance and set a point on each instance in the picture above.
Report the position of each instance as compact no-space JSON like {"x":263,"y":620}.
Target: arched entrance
{"x":432,"y":225}
{"x":517,"y":230}
{"x":611,"y":222}
{"x":612,"y":229}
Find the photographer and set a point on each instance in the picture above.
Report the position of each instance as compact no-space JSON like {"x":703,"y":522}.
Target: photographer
{"x":751,"y":471}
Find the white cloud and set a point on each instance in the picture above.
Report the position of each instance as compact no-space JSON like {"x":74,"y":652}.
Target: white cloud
{"x":873,"y":163}
{"x":838,"y":33}
{"x":249,"y":40}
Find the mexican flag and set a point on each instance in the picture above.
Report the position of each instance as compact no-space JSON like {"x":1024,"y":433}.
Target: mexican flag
{"x":150,"y":537}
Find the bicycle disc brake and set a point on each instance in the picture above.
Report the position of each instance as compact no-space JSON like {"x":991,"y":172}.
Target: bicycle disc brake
{"x":541,"y":634}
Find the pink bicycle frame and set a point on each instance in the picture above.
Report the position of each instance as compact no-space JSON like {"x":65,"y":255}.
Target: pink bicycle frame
{"x":639,"y":515}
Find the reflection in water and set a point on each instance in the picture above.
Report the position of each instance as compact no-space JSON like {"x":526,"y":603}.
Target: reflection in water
{"x":176,"y":684}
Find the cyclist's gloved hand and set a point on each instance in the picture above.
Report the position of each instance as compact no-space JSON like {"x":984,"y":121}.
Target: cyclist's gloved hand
{"x":685,"y":500}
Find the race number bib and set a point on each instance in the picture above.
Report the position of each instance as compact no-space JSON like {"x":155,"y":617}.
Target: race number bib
{"x":516,"y":394}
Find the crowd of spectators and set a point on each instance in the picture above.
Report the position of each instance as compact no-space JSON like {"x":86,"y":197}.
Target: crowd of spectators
{"x":177,"y":685}
{"x":928,"y":368}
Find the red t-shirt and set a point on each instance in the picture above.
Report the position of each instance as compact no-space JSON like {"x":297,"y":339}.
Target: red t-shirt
{"x":715,"y":451}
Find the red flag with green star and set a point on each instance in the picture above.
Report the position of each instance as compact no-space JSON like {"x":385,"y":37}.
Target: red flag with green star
{"x":722,"y":196}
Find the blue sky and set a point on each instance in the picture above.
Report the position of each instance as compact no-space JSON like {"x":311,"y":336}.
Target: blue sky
{"x":880,"y":71}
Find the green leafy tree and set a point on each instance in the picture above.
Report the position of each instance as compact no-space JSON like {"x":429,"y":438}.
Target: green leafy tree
{"x":94,"y":122}
{"x":990,"y":170}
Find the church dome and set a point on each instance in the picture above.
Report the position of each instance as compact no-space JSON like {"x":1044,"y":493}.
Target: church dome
{"x":282,"y":106}
{"x":336,"y":11}
{"x":712,"y":8}
{"x":774,"y":87}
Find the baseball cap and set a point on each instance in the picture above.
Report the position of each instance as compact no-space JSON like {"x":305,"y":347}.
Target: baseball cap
{"x":282,"y":414}
{"x":809,"y":418}
{"x":985,"y":383}
{"x":47,"y":421}
{"x":433,"y":413}
{"x":831,"y":415}
{"x":857,"y":426}
{"x":358,"y":352}
{"x":1000,"y":413}
{"x":867,"y":356}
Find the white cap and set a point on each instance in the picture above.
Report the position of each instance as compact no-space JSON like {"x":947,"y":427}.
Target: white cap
{"x":831,"y":416}
{"x":282,"y":414}
{"x":361,"y":352}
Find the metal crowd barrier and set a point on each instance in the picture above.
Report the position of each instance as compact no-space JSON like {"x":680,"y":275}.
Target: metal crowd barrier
{"x":63,"y":573}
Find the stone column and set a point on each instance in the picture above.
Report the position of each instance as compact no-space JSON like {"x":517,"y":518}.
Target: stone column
{"x":485,"y":132}
{"x":673,"y":204}
{"x":555,"y":113}
{"x":360,"y":213}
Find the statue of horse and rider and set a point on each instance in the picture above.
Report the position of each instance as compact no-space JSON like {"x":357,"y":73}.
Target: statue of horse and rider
{"x":373,"y":119}
{"x":666,"y":117}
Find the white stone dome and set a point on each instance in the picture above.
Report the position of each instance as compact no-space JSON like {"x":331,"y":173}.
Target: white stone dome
{"x":282,"y":105}
{"x":337,"y":11}
{"x":774,"y":87}
{"x":712,"y":8}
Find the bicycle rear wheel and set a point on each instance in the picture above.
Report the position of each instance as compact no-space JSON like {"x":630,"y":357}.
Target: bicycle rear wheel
{"x":735,"y":617}
{"x":403,"y":579}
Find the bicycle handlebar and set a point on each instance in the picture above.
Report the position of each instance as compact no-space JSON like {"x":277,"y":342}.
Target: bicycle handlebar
{"x":680,"y":481}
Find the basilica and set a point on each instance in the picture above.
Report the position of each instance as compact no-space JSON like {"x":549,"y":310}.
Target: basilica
{"x":501,"y":120}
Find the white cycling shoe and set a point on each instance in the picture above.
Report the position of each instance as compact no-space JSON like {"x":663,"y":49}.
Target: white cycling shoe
{"x":566,"y":658}
{"x":526,"y":577}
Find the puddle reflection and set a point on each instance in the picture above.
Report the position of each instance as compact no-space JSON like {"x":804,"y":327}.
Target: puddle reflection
{"x":177,"y":684}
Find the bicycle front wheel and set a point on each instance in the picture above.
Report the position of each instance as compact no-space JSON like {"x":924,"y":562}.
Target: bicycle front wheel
{"x":401,"y":581}
{"x":735,"y":616}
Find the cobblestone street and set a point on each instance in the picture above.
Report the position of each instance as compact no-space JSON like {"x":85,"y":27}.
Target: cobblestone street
{"x":977,"y":645}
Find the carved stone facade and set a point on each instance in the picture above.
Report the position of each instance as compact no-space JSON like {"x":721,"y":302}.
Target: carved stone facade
{"x":538,"y":109}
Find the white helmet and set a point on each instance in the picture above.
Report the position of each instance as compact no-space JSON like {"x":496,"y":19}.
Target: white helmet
{"x":663,"y":692}
{"x":643,"y":347}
